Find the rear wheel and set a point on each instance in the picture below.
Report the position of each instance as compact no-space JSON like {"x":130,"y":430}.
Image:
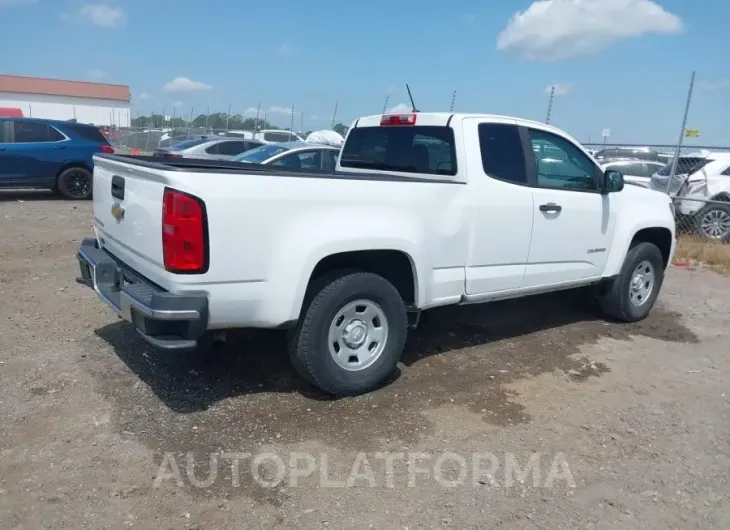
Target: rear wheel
{"x":75,"y":183}
{"x":713,"y":222}
{"x":632,"y":294}
{"x":351,"y":335}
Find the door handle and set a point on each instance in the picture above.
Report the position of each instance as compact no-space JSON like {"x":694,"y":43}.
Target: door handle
{"x":550,"y":207}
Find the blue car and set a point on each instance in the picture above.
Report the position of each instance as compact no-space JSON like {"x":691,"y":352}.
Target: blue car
{"x":57,"y":155}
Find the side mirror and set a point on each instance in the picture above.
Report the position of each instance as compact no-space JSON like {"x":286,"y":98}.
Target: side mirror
{"x":613,"y":181}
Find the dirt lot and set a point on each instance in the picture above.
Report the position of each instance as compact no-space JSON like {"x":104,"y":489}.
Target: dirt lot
{"x":626,"y":426}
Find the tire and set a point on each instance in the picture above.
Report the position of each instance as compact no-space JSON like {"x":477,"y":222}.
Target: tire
{"x":365,"y":299}
{"x":75,"y":183}
{"x":617,"y":302}
{"x":713,"y":222}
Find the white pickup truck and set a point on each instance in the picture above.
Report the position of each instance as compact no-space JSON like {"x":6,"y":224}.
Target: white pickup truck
{"x":423,"y":210}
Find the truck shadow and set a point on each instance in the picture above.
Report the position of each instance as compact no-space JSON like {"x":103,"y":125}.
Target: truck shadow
{"x":18,"y":194}
{"x":536,"y":334}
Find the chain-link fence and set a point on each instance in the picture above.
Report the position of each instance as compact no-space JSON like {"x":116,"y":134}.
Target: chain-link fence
{"x":142,"y":140}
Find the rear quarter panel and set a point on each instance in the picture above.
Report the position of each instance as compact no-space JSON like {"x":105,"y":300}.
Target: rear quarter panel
{"x":267,"y":233}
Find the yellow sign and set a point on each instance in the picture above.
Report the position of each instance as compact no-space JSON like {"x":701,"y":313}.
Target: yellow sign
{"x":691,"y":133}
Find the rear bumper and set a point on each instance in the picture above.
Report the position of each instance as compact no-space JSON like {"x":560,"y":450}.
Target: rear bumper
{"x":167,"y":321}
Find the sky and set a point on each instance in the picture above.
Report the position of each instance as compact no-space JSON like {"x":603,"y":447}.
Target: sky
{"x":622,"y":65}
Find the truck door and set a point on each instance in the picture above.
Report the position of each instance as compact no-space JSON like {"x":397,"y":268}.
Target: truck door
{"x":502,"y":206}
{"x":573,"y":221}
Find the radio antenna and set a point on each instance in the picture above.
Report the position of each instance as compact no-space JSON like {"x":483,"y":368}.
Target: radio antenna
{"x":410,"y":96}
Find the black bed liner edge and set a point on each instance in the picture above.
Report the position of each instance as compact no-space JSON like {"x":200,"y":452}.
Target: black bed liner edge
{"x":223,"y":166}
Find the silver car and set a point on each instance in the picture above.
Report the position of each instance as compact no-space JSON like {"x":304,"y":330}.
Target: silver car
{"x":638,"y":172}
{"x":295,"y":155}
{"x":208,"y":148}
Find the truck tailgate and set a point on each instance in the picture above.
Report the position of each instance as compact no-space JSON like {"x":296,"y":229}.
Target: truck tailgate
{"x":128,"y":215}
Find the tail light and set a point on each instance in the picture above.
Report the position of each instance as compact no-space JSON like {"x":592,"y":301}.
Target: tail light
{"x":171,"y":155}
{"x":107,"y":149}
{"x":398,"y":119}
{"x":184,"y":233}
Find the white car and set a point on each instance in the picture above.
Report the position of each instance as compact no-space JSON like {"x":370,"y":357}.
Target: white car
{"x":424,"y":210}
{"x":637,"y":172}
{"x":701,"y":188}
{"x":295,"y":155}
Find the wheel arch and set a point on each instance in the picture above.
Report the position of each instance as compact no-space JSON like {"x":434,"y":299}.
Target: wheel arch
{"x":395,"y":265}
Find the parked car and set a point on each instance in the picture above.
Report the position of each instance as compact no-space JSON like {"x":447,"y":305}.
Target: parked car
{"x":296,"y":155}
{"x":275,"y":136}
{"x":634,"y":153}
{"x":637,"y":172}
{"x":211,"y":148}
{"x":58,"y":155}
{"x":423,"y":210}
{"x":697,"y":180}
{"x":172,"y":137}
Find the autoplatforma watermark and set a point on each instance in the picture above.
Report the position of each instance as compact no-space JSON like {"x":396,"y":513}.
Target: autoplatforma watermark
{"x":383,"y":469}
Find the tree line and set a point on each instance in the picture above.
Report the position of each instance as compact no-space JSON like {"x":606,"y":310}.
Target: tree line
{"x":217,"y":121}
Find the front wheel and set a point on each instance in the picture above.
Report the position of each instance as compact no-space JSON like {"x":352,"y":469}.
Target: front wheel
{"x":632,"y":294}
{"x":75,"y":183}
{"x":351,"y":336}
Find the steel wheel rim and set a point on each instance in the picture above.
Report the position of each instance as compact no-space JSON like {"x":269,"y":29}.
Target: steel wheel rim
{"x":641,"y":284}
{"x":357,"y":335}
{"x":715,"y":224}
{"x":78,"y":183}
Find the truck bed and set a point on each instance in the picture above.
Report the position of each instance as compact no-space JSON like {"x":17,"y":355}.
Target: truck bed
{"x":193,"y":165}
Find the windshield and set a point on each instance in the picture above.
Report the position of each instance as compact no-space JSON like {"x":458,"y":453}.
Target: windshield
{"x":686,"y":165}
{"x":260,"y":154}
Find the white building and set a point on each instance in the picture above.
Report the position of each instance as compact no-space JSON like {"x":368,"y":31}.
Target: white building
{"x":97,"y":103}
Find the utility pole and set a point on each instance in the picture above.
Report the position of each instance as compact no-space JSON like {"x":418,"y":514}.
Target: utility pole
{"x":256,"y":121}
{"x":385,"y":105}
{"x":228,"y":116}
{"x":453,"y":101}
{"x":675,"y":160}
{"x":334,"y":116}
{"x":550,"y":103}
{"x":291,"y":126}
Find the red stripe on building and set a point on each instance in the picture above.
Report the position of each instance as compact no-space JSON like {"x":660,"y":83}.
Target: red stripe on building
{"x":60,"y":87}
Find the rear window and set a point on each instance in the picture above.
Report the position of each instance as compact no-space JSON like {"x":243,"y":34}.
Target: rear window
{"x":259,"y":154}
{"x":185,"y":144}
{"x":88,"y":133}
{"x":686,"y":165}
{"x":420,"y":149}
{"x":278,"y":137}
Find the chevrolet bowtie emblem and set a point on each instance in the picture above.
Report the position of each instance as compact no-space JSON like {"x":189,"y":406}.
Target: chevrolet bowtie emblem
{"x":118,"y":212}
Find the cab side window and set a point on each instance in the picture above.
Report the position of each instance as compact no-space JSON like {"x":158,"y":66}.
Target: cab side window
{"x":560,"y":164}
{"x":502,"y":154}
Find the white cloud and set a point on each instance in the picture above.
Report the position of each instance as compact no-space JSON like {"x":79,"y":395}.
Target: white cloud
{"x":279,"y":110}
{"x":96,"y":74}
{"x":9,"y":3}
{"x":561,"y":89}
{"x":274,"y":109}
{"x":101,"y":15}
{"x":714,"y":85}
{"x":400,"y":107}
{"x":144,"y":95}
{"x":184,"y":84}
{"x":551,"y":30}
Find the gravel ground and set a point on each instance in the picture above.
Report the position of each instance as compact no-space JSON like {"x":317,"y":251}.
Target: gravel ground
{"x":625,"y":426}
